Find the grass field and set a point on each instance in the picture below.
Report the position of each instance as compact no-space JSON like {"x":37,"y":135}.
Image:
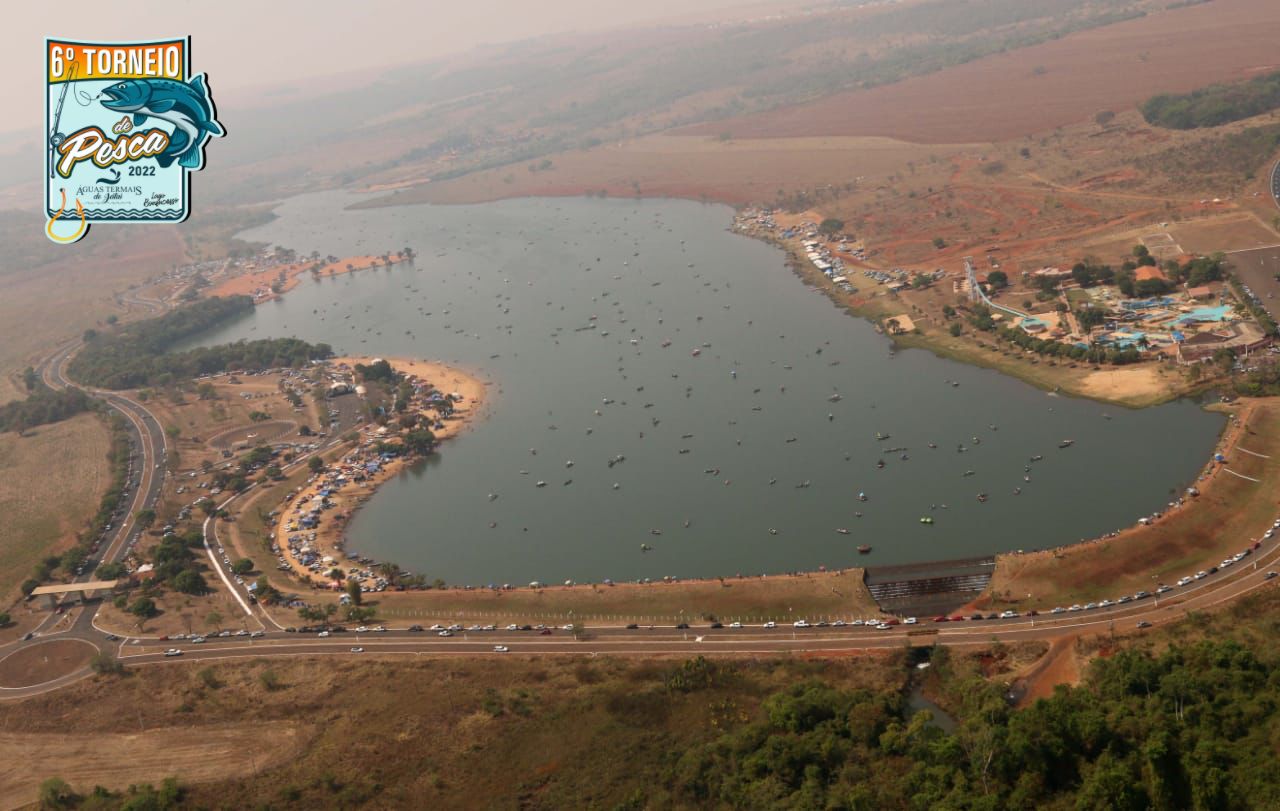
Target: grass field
{"x":1230,"y":514}
{"x":833,"y":595}
{"x":325,"y":732}
{"x":53,"y":480}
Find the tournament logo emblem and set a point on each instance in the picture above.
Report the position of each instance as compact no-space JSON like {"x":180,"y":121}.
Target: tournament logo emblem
{"x":127,"y":125}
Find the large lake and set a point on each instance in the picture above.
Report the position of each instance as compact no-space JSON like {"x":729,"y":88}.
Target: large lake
{"x":566,"y":305}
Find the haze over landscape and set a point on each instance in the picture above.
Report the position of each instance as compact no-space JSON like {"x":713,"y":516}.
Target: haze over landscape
{"x":673,"y":405}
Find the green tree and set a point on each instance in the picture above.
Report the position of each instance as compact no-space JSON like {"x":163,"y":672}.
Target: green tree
{"x":189,"y":581}
{"x":354,"y":592}
{"x":831,"y":226}
{"x":214,"y":619}
{"x":998,"y":279}
{"x":242,"y":566}
{"x":143,"y":608}
{"x":316,"y":464}
{"x":145,"y":518}
{"x":56,"y":793}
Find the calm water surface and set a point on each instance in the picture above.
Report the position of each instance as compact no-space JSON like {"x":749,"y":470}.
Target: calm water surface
{"x":566,"y":306}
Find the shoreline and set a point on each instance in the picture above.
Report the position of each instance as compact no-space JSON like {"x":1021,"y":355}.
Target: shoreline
{"x":968,"y":353}
{"x":336,"y":545}
{"x":328,"y":540}
{"x":262,"y":285}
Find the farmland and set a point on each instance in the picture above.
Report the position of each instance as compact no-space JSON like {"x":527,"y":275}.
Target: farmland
{"x":1042,"y":87}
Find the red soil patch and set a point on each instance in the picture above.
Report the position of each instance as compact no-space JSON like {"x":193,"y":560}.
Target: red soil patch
{"x":1038,"y":88}
{"x":1059,"y":665}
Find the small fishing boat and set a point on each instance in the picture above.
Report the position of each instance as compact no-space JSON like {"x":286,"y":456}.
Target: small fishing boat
{"x":1036,"y":458}
{"x":842,"y":530}
{"x":1066,"y":443}
{"x":697,"y":352}
{"x":880,"y":464}
{"x":862,"y":496}
{"x":982,"y":497}
{"x":926,"y":519}
{"x":864,"y":549}
{"x":541,"y":483}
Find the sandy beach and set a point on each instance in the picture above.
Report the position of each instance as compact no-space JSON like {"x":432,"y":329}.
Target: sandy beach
{"x":330,"y":535}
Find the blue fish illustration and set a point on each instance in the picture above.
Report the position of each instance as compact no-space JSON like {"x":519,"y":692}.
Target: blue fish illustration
{"x":185,"y":105}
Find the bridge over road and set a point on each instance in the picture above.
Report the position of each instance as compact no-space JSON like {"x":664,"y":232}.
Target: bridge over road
{"x":83,"y":590}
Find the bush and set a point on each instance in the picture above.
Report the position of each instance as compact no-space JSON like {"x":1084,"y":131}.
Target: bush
{"x":104,"y":664}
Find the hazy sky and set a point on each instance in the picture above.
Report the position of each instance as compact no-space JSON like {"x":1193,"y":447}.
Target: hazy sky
{"x":248,"y":43}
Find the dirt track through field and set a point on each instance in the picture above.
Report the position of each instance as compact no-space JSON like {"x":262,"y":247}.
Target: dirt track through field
{"x":1039,"y":88}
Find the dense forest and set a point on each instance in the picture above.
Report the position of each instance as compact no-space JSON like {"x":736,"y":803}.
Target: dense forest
{"x":43,"y":406}
{"x":1189,"y":728}
{"x":137,"y":354}
{"x":1214,"y":105}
